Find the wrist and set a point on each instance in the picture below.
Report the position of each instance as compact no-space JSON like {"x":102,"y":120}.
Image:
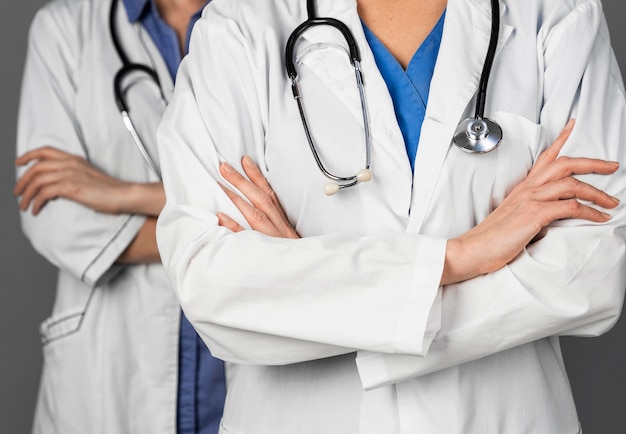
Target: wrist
{"x":461,"y":262}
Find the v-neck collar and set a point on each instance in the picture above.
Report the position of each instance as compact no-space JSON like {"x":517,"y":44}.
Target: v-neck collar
{"x":409,"y":89}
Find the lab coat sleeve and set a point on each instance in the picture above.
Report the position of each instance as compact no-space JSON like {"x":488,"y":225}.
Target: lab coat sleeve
{"x":572,"y":281}
{"x":74,"y":238}
{"x":261,"y":300}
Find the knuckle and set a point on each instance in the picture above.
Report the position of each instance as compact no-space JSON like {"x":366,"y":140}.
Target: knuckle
{"x":564,"y":160}
{"x":571,"y":181}
{"x":572,"y":184}
{"x":258,"y":216}
{"x":69,"y":188}
{"x":37,"y":168}
{"x":574,"y":206}
{"x":266,"y":200}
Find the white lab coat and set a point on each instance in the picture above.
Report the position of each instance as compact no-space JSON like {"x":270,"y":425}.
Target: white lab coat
{"x":118,"y":373}
{"x":480,"y":357}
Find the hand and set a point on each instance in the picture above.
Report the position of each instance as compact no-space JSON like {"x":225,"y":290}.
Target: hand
{"x":56,"y":174}
{"x":265,"y":215}
{"x":548,"y":193}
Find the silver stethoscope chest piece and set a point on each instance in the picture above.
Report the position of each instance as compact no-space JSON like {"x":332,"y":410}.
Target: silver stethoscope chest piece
{"x":478,"y":135}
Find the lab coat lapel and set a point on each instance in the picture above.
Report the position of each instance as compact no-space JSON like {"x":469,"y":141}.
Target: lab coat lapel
{"x":452,"y":91}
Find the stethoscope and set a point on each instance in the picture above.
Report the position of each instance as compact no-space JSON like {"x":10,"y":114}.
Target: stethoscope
{"x":474,"y":135}
{"x":128,"y":68}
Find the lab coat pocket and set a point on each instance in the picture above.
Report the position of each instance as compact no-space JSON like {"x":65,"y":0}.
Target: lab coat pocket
{"x":472,"y":185}
{"x":516,"y":154}
{"x":65,"y":323}
{"x":69,"y":382}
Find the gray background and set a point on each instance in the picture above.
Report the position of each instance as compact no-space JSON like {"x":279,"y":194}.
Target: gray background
{"x":597,"y":367}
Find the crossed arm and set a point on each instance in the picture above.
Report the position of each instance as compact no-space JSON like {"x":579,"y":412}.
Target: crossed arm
{"x":54,"y":173}
{"x":549,"y":193}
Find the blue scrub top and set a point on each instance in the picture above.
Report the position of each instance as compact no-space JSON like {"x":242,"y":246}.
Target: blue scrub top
{"x":409,"y":89}
{"x":201,"y":382}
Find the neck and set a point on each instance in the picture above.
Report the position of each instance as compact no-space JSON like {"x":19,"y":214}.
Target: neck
{"x":179,"y":4}
{"x":401,"y":25}
{"x":177,"y":14}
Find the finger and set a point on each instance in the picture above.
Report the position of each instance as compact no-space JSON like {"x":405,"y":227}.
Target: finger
{"x":572,"y":188}
{"x":256,"y":177}
{"x":228,"y":223}
{"x":259,"y":199}
{"x":552,"y":152}
{"x":33,"y":188}
{"x":563,"y":167}
{"x":572,"y":209}
{"x":45,"y":152}
{"x":254,"y":216}
{"x":44,"y":195}
{"x":35,"y":171}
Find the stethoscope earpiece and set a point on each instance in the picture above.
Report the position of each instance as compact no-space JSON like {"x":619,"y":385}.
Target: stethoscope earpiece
{"x":331,"y":188}
{"x":364,"y":175}
{"x":478,"y":135}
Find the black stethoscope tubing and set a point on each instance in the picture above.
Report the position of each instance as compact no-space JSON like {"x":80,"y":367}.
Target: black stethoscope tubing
{"x":128,"y":68}
{"x":474,"y":135}
{"x":491,"y":55}
{"x":364,"y":175}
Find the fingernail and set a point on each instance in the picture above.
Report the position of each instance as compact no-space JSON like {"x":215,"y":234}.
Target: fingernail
{"x":606,"y":216}
{"x":248,"y":161}
{"x":570,"y":124}
{"x":613,"y":163}
{"x":228,"y":168}
{"x":616,"y":200}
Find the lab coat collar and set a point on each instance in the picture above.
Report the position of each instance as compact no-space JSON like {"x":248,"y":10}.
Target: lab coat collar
{"x":135,"y":8}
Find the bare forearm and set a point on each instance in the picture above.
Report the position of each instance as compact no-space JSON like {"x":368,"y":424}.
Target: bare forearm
{"x":54,"y":173}
{"x":145,"y":199}
{"x":143,"y":248}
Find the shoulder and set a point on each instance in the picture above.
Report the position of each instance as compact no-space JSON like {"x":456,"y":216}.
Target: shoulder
{"x":248,"y":17}
{"x":60,"y":12}
{"x":62,"y":27}
{"x":546,"y":14}
{"x":60,"y":20}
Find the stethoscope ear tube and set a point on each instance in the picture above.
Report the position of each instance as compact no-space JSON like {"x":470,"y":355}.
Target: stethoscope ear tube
{"x":120,"y":100}
{"x":126,"y":70}
{"x":491,"y":54}
{"x":355,"y":53}
{"x":337,"y":182}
